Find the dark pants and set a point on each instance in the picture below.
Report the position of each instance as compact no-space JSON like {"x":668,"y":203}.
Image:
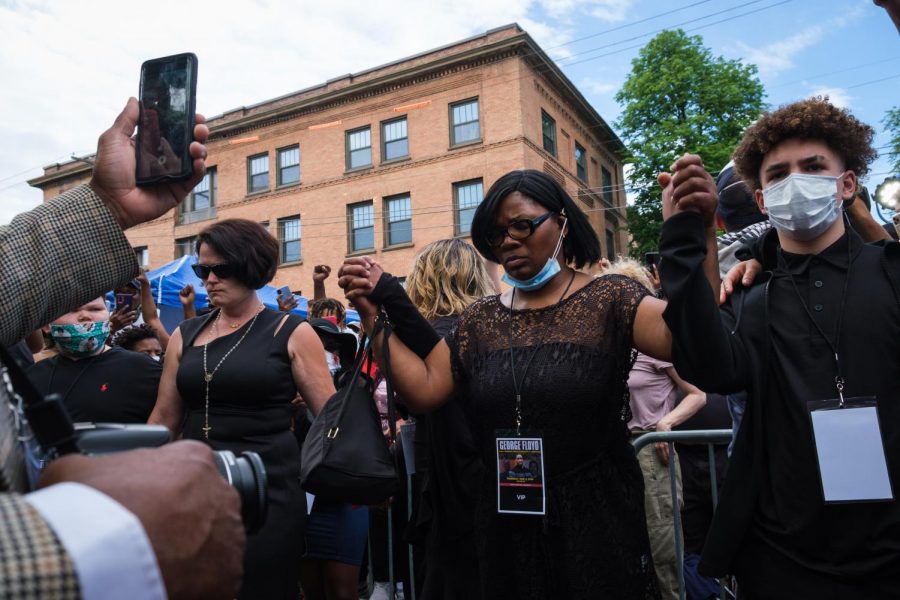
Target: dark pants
{"x":763,"y":574}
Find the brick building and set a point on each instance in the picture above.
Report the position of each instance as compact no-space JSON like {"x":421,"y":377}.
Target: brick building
{"x":385,"y":161}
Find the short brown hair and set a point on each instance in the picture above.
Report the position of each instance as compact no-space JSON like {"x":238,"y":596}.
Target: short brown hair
{"x":812,"y":119}
{"x":245,"y":245}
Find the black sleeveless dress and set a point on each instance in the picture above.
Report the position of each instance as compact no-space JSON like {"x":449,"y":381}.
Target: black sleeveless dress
{"x":250,"y":409}
{"x":592,"y":542}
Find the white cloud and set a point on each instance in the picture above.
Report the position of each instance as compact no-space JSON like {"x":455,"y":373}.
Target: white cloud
{"x":73,"y":64}
{"x":596,"y":87}
{"x":604,"y":10}
{"x":779,"y":56}
{"x":838,"y":96}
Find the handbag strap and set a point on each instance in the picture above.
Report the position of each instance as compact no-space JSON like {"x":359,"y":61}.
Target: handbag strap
{"x":388,"y":378}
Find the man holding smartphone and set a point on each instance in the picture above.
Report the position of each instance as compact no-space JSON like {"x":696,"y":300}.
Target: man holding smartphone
{"x":141,"y":524}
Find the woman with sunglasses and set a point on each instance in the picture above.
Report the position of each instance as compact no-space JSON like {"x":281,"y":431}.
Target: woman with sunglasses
{"x":544,"y":367}
{"x":229,"y":379}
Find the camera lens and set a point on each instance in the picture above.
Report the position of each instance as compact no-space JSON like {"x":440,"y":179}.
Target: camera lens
{"x":247,"y":474}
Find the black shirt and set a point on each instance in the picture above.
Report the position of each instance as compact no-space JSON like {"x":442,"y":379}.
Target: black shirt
{"x":766,"y":342}
{"x":791,"y":515}
{"x":117,"y":386}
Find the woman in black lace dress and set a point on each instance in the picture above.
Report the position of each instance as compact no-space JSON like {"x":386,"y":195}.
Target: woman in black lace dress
{"x":229,"y":379}
{"x":561,"y":342}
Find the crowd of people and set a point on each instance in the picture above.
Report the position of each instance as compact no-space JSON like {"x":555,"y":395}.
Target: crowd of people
{"x":526,"y":393}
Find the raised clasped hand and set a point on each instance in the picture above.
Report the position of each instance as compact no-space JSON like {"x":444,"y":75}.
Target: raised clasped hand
{"x":689,"y":188}
{"x":358,"y":277}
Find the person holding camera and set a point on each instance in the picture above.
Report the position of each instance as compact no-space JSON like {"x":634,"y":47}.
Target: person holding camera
{"x":106,"y":526}
{"x":229,"y":379}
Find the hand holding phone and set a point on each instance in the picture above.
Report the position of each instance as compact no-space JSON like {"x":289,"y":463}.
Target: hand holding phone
{"x":167,"y":119}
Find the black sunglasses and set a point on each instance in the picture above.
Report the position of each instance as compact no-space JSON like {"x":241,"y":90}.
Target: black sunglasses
{"x":517,"y":230}
{"x":221,"y":270}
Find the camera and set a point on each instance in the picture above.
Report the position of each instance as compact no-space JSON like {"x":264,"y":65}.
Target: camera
{"x":244,"y":472}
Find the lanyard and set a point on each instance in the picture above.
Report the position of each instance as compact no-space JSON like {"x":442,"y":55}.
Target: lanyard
{"x":512,"y":358}
{"x":839,"y":380}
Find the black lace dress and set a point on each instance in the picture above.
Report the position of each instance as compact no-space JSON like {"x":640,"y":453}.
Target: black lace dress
{"x":593,"y":542}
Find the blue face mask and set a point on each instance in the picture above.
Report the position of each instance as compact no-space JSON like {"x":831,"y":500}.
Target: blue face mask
{"x":551,"y":269}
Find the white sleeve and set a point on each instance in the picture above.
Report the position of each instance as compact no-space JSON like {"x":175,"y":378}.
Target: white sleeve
{"x":107,"y":544}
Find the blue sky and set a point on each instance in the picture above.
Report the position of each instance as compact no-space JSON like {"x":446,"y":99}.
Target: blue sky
{"x":68,"y":67}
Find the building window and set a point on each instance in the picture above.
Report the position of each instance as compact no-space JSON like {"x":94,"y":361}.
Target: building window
{"x":464,"y":124}
{"x":289,"y":165}
{"x":580,"y":162}
{"x":610,"y":245}
{"x":185,"y":246}
{"x":257,"y":173}
{"x":361,"y":218}
{"x":289,"y":239}
{"x":606,"y":182}
{"x":394,"y":140}
{"x":398,"y":220}
{"x":200,"y":205}
{"x":467,"y":195}
{"x":143,"y":256}
{"x":548,"y":126}
{"x":359,"y":148}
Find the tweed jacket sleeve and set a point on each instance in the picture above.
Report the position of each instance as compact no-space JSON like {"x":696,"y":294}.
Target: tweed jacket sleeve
{"x":58,"y":256}
{"x":33,"y":563}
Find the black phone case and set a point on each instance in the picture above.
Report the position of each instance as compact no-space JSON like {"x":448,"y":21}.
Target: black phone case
{"x":187,"y":170}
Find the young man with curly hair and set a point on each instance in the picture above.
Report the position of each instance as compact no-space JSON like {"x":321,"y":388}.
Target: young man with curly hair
{"x":820,"y":328}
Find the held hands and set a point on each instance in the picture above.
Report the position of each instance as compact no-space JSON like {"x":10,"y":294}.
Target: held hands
{"x":358,"y":277}
{"x":199,"y":538}
{"x":114,"y":180}
{"x":689,"y":188}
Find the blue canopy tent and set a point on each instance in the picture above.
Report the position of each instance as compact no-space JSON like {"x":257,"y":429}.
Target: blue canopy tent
{"x":168,"y":280}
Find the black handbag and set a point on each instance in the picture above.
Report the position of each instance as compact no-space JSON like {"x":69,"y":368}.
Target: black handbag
{"x":345,"y":456}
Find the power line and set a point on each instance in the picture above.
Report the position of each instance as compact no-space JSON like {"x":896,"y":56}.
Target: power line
{"x":631,"y":24}
{"x":643,"y":35}
{"x":578,"y":62}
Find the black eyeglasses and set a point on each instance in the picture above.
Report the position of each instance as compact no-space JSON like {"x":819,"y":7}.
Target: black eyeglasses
{"x":221,"y":270}
{"x":517,"y":230}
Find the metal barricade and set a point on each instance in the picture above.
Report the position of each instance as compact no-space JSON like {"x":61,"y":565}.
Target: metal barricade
{"x":710,"y":438}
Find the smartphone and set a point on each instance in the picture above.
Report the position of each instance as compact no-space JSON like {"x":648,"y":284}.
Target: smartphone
{"x":651,"y":259}
{"x":125,"y":301}
{"x":284,"y":292}
{"x":896,"y":219}
{"x":166,"y":126}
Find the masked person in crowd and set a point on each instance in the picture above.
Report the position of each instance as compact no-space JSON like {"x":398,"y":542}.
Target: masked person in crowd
{"x":140,"y":338}
{"x":229,"y":379}
{"x":807,"y":509}
{"x":96,"y":383}
{"x":544,"y":366}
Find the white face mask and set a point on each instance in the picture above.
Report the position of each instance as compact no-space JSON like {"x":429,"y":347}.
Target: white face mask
{"x":802,"y":206}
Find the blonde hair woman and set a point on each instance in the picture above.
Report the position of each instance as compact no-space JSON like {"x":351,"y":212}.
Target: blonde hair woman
{"x":447,"y":276}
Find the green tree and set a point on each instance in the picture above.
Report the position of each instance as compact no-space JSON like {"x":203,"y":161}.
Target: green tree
{"x":680,"y":98}
{"x":892,"y":127}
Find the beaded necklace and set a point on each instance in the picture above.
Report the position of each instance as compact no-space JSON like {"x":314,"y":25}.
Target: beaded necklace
{"x":208,"y":375}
